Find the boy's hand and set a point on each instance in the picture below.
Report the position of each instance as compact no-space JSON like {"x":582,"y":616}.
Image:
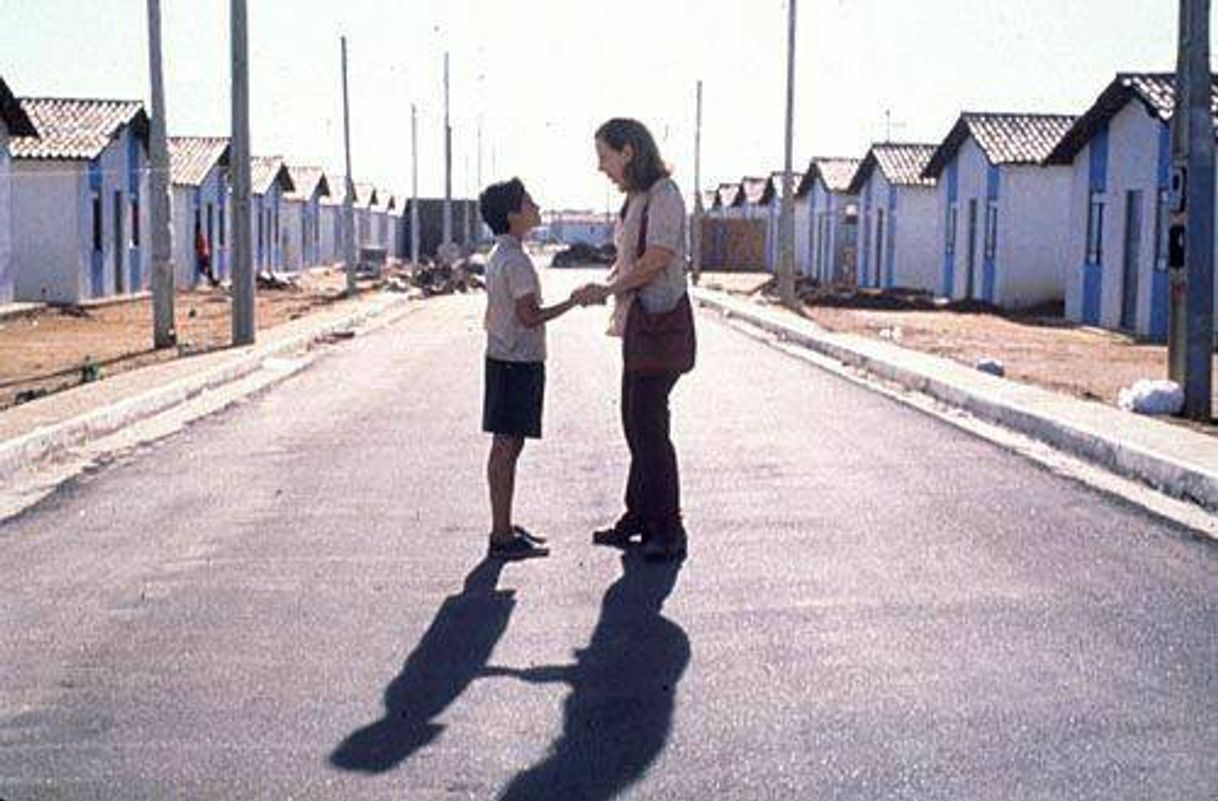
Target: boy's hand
{"x":589,"y":294}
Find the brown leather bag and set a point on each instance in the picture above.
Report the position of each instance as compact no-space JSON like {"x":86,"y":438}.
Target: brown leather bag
{"x":658,"y":343}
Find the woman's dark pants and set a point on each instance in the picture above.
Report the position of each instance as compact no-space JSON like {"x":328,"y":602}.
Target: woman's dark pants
{"x":653,"y":491}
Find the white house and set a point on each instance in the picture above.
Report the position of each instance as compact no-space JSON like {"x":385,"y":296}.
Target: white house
{"x":772,"y":203}
{"x":79,"y":222}
{"x":331,"y":221}
{"x":1003,"y":221}
{"x":13,"y":122}
{"x":269,"y":181}
{"x":898,"y":209}
{"x":199,"y":202}
{"x":1120,"y":154}
{"x":832,"y":217}
{"x":302,"y":217}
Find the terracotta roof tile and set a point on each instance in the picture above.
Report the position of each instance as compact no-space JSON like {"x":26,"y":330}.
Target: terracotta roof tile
{"x":901,"y":163}
{"x":835,"y":173}
{"x":308,"y":180}
{"x":191,"y":158}
{"x":1003,"y":138}
{"x":70,"y":128}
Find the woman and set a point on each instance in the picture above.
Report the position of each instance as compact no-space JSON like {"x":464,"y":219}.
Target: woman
{"x":652,"y":315}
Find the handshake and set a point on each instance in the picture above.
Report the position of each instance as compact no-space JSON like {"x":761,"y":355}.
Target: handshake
{"x":590,"y":294}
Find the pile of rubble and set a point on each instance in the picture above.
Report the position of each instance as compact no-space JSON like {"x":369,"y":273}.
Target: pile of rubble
{"x":580,"y":254}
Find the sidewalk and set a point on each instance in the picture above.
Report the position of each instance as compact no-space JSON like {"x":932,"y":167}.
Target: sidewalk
{"x":1174,"y":459}
{"x":35,"y":430}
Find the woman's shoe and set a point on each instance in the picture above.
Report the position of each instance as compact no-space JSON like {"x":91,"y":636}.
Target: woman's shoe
{"x":621,"y":533}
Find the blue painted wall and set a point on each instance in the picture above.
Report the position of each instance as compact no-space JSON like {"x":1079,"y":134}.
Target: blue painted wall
{"x":1093,"y":274}
{"x":989,"y":266}
{"x":1159,"y":283}
{"x":949,"y":259}
{"x":135,"y":168}
{"x":890,"y":234}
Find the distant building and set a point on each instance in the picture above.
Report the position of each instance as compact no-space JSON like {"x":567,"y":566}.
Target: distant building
{"x":1004,"y":228}
{"x":898,"y":208}
{"x":832,"y":215}
{"x":269,"y":181}
{"x":1119,"y":152}
{"x":79,"y":220}
{"x":198,"y":194}
{"x":13,"y":122}
{"x":302,"y":217}
{"x":586,"y":227}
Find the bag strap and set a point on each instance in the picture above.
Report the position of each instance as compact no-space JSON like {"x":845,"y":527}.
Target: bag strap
{"x":641,"y":247}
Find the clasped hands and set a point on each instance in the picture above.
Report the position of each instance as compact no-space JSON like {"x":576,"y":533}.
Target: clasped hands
{"x":590,"y":294}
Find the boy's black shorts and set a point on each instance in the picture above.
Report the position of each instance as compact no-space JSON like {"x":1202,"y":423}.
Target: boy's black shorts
{"x":512,"y":397}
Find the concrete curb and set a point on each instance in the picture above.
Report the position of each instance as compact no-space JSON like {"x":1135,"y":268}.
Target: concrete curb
{"x":40,"y":443}
{"x":1169,"y":473}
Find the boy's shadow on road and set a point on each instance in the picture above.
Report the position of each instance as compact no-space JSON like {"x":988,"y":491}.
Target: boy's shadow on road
{"x":623,"y":692}
{"x":623,"y":685}
{"x":452,"y":653}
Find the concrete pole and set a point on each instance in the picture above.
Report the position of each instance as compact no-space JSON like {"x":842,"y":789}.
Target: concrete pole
{"x":696,"y":235}
{"x":414,"y":186}
{"x":244,"y":311}
{"x":1191,"y":239}
{"x":448,"y":164}
{"x":786,"y":222}
{"x":163,"y":333}
{"x":348,"y":207}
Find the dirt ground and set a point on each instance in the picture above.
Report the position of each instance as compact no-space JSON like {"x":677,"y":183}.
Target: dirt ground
{"x":1037,"y":347}
{"x":47,"y":350}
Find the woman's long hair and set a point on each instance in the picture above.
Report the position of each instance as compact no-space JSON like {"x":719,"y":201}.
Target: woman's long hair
{"x":646,"y":167}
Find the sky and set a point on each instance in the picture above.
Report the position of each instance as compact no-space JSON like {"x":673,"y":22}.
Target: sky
{"x":537,"y":77}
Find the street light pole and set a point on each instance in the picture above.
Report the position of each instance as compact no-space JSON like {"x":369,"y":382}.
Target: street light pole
{"x":243,"y":266}
{"x":348,"y":200}
{"x":786,"y":222}
{"x":448,"y":164}
{"x":414,"y":186}
{"x":696,"y":235}
{"x":1191,"y":237}
{"x":163,"y":333}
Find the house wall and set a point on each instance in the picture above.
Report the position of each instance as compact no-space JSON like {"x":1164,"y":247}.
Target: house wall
{"x":266,"y":226}
{"x":52,"y":241}
{"x":292,"y":223}
{"x":834,"y":237}
{"x":803,"y":236}
{"x":914,"y":243}
{"x":1033,"y":235}
{"x":968,"y":177}
{"x":329,"y":220}
{"x":876,"y":206}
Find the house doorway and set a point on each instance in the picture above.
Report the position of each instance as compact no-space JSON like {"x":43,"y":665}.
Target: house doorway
{"x":1133,"y":244}
{"x":119,"y":243}
{"x":970,"y":291}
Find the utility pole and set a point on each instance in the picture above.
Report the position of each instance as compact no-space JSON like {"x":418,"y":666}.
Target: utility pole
{"x":244,"y":324}
{"x":1191,"y":237}
{"x":348,"y":206}
{"x":163,"y":333}
{"x":786,"y":220}
{"x":414,"y":186}
{"x":448,"y":164}
{"x":696,"y":235}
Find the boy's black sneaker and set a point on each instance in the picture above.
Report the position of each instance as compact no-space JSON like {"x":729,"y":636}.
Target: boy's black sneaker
{"x":515,"y":549}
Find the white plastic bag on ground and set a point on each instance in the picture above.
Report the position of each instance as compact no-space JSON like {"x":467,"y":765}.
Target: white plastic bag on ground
{"x":1152,"y":397}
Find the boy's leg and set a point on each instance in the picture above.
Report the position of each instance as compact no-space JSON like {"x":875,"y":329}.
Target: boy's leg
{"x":501,"y":477}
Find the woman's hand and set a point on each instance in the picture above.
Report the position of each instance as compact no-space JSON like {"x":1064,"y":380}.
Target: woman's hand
{"x":590,"y":294}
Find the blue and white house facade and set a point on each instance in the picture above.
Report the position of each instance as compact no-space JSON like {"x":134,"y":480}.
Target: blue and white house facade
{"x":302,"y":218}
{"x":577,"y":226}
{"x":200,"y":205}
{"x":897,"y":213}
{"x":13,"y":122}
{"x":1119,"y":152}
{"x":1003,"y":227}
{"x":269,"y":182}
{"x":831,"y":219}
{"x":772,"y":203}
{"x":80,"y":219}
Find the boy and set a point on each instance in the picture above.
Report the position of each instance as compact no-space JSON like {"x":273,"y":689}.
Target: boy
{"x":515,"y":358}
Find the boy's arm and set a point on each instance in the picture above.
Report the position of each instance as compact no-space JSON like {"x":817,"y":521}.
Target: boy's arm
{"x":531,"y":315}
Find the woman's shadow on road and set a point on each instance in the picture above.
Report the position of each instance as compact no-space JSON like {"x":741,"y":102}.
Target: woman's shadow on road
{"x":623,"y":692}
{"x":623,"y":685}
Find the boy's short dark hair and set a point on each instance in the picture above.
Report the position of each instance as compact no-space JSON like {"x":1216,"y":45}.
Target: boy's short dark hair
{"x":499,"y":200}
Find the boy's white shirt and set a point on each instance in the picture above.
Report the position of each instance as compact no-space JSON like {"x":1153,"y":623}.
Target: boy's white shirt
{"x":511,"y":275}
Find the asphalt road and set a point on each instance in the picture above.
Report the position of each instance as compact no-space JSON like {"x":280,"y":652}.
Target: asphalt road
{"x":289,"y":600}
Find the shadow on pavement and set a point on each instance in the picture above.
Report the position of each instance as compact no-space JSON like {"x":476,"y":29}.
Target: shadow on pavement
{"x":623,"y":688}
{"x":452,"y":653}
